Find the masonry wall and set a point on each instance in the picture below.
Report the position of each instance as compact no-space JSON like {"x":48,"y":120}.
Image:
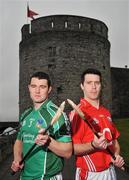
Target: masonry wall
{"x":64,"y":46}
{"x":120,"y":92}
{"x":6,"y":146}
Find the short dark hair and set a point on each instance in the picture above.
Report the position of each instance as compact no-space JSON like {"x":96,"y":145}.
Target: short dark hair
{"x":90,"y":71}
{"x":41,"y":75}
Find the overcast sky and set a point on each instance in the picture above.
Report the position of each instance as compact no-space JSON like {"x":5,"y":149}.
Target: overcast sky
{"x":114,"y":13}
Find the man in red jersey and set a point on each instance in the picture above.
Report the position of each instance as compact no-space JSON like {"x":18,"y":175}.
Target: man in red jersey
{"x":92,"y":159}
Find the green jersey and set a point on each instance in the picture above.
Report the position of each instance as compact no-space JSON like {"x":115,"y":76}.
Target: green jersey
{"x":42,"y":163}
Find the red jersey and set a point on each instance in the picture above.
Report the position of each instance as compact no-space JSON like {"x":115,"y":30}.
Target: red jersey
{"x":100,"y":119}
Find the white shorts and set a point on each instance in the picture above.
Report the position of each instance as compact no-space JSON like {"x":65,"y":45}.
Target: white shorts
{"x":57,"y":177}
{"x":108,"y":174}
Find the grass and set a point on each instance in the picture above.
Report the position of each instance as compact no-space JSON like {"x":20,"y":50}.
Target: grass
{"x":123,"y":126}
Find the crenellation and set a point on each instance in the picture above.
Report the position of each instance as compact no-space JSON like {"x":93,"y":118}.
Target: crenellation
{"x":66,"y":23}
{"x":25,"y":31}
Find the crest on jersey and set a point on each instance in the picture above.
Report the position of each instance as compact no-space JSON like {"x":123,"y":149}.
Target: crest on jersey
{"x":39,"y":123}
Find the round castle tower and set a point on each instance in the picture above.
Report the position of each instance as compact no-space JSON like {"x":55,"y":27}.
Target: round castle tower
{"x":64,"y":46}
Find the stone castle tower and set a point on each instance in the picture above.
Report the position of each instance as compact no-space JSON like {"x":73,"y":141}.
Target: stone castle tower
{"x":64,"y":46}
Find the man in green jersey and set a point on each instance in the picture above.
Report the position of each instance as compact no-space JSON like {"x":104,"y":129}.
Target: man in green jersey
{"x":45,"y":162}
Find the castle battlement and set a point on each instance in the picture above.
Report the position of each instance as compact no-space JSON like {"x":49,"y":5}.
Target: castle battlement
{"x":66,"y":23}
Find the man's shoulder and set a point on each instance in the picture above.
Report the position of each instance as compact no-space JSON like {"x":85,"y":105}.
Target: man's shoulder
{"x":49,"y":107}
{"x":52,"y":105}
{"x":104,"y":109}
{"x":25,"y":113}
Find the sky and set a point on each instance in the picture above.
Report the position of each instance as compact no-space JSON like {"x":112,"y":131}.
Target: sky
{"x":13,"y":15}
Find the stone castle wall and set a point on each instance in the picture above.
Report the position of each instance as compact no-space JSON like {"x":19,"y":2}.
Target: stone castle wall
{"x":64,"y":46}
{"x":120,"y":92}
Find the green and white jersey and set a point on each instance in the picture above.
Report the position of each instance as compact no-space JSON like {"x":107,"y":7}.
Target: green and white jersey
{"x":42,"y":163}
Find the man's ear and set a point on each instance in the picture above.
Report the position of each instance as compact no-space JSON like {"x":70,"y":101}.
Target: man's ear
{"x":50,"y":88}
{"x":82,"y":87}
{"x":29,"y":88}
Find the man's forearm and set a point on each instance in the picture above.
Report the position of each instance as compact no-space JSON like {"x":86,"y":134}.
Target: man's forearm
{"x":116,"y":147}
{"x":63,"y":149}
{"x":82,"y":149}
{"x":18,"y":150}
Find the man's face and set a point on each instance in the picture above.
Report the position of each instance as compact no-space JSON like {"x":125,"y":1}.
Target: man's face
{"x":39,"y":90}
{"x":91,"y":86}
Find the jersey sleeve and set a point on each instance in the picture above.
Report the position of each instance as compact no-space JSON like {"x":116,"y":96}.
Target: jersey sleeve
{"x":81,"y":133}
{"x":21,"y":120}
{"x":115,"y":133}
{"x":19,"y":134}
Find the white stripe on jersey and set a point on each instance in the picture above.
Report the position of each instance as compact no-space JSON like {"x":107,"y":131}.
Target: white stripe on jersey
{"x":89,"y":163}
{"x":77,"y":175}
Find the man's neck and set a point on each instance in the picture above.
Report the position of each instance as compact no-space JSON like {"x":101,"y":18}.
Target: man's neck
{"x":94,"y":102}
{"x":37,"y":105}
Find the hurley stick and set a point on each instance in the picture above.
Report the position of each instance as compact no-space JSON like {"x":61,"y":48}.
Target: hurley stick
{"x":11,"y":130}
{"x":54,"y":119}
{"x":81,"y":114}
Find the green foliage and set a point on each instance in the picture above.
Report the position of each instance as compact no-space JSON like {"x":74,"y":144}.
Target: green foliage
{"x":123,"y":126}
